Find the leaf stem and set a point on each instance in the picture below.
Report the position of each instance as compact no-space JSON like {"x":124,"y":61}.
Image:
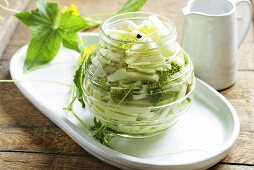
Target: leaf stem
{"x":73,"y":98}
{"x":6,"y":7}
{"x":47,"y":81}
{"x":160,"y":153}
{"x":80,"y":120}
{"x":125,"y":95}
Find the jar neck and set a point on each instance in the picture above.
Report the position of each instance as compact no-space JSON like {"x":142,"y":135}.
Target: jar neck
{"x":137,"y":17}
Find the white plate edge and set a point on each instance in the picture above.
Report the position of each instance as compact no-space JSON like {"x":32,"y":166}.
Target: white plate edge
{"x":105,"y":153}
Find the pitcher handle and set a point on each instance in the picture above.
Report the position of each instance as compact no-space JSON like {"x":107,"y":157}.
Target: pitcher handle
{"x":246,"y":20}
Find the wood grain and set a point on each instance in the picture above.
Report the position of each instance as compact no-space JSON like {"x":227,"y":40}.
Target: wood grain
{"x":31,"y":161}
{"x":222,"y":166}
{"x":28,"y":140}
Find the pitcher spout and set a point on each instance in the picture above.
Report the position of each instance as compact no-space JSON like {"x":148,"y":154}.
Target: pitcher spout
{"x":194,"y":7}
{"x":188,"y":9}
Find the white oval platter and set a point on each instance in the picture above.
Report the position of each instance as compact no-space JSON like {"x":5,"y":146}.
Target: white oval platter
{"x":200,"y":139}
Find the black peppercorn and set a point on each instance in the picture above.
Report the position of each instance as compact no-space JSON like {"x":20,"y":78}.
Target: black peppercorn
{"x":139,"y":36}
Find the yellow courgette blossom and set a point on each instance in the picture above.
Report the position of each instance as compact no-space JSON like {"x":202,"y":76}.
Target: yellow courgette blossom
{"x":72,"y":8}
{"x":86,"y":52}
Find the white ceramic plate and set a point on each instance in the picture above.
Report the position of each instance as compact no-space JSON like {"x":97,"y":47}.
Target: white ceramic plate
{"x":202,"y":137}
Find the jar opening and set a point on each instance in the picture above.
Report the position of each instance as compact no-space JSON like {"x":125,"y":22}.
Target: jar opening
{"x":138,"y":18}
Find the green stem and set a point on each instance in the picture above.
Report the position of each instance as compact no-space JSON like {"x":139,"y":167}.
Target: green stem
{"x":45,"y":81}
{"x":158,"y":152}
{"x":80,"y":120}
{"x":70,"y":106}
{"x":6,"y":7}
{"x":125,"y":96}
{"x":103,"y":127}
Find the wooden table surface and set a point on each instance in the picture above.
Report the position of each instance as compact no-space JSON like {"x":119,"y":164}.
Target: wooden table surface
{"x":28,"y":140}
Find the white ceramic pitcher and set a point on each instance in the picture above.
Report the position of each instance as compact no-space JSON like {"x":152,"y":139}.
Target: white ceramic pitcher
{"x":212,"y":37}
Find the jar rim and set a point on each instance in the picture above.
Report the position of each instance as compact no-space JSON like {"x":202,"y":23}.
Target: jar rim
{"x":138,"y":15}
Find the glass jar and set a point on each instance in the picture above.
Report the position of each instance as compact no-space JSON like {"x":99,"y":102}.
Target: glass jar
{"x":138,"y":88}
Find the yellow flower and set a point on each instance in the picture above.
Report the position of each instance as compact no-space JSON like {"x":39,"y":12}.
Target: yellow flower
{"x":72,"y":8}
{"x":86,"y":52}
